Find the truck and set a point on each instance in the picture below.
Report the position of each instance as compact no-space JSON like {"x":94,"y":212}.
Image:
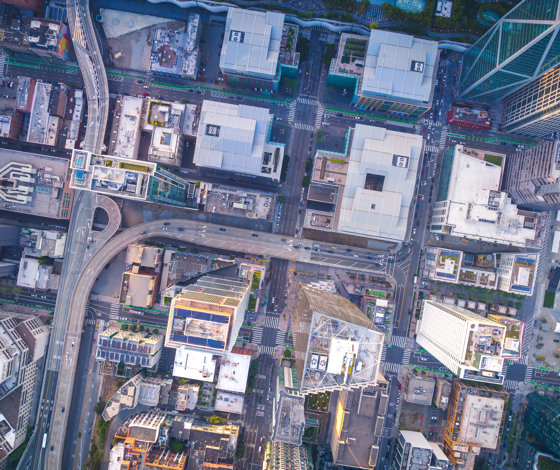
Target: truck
{"x":44,"y":440}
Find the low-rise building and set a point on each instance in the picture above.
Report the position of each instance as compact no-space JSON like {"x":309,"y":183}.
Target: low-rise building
{"x":125,"y":134}
{"x":419,"y":390}
{"x":77,"y":104}
{"x":443,"y":391}
{"x":139,"y":285}
{"x":35,"y":274}
{"x":38,"y":243}
{"x":43,"y":123}
{"x":472,"y":118}
{"x":11,"y":122}
{"x":235,"y":138}
{"x":387,"y":72}
{"x":513,"y":342}
{"x":280,"y":456}
{"x":415,"y":452}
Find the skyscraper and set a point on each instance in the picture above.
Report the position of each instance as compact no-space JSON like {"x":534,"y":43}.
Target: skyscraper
{"x":532,"y":177}
{"x":542,"y":420}
{"x":534,"y":110}
{"x":520,"y":47}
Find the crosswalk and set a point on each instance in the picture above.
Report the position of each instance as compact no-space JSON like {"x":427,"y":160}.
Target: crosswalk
{"x":443,"y":137}
{"x":383,"y":353}
{"x":266,"y":350}
{"x":292,"y":113}
{"x":115,"y":311}
{"x":257,"y":334}
{"x":504,"y":368}
{"x":432,"y":148}
{"x":391,"y":367}
{"x":319,"y":117}
{"x":529,"y":373}
{"x":406,"y":357}
{"x":303,"y":126}
{"x":279,"y":337}
{"x":400,"y":341}
{"x":2,"y":63}
{"x":271,"y":321}
{"x":115,"y":78}
{"x":90,"y":321}
{"x":511,"y":385}
{"x":309,"y":101}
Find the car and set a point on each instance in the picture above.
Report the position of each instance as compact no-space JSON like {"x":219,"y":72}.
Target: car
{"x":308,"y":248}
{"x":254,"y":235}
{"x":556,"y":340}
{"x":181,"y":229}
{"x":62,"y":410}
{"x":145,"y":93}
{"x":166,"y":224}
{"x":423,"y":359}
{"x":144,"y":233}
{"x":73,"y":345}
{"x":165,"y":228}
{"x":222,"y":229}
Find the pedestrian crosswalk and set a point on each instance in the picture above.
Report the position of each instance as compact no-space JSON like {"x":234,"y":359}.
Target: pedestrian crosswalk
{"x":257,"y":335}
{"x":90,"y":321}
{"x":292,"y":113}
{"x":271,"y":321}
{"x":279,"y":337}
{"x":2,"y":63}
{"x":504,"y":368}
{"x":383,"y":353}
{"x":400,"y":341}
{"x":511,"y":385}
{"x":391,"y":367}
{"x":406,"y":357}
{"x":115,"y":311}
{"x":432,"y":148}
{"x":309,"y":101}
{"x":319,"y":117}
{"x":529,"y":373}
{"x":303,"y":126}
{"x":266,"y":350}
{"x":443,"y":137}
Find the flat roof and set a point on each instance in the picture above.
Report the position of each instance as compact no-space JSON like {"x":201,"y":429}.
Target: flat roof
{"x":420,"y":390}
{"x":128,"y":133}
{"x":229,"y":402}
{"x":234,"y":370}
{"x":398,"y":65}
{"x":251,"y":43}
{"x":234,"y":138}
{"x":289,"y":420}
{"x":380,"y":183}
{"x":480,"y":424}
{"x":196,"y":365}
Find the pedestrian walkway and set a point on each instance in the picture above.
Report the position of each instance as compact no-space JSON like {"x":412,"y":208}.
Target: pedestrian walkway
{"x":302,"y":126}
{"x":257,"y":335}
{"x":504,"y":368}
{"x":309,"y":101}
{"x":115,"y":311}
{"x":443,"y":137}
{"x":432,"y":148}
{"x":2,"y":63}
{"x":511,"y":385}
{"x":529,"y":373}
{"x":319,"y":117}
{"x":266,"y":350}
{"x":391,"y":367}
{"x":400,"y":341}
{"x":115,"y":78}
{"x":271,"y":322}
{"x":383,"y":353}
{"x":279,"y":337}
{"x":292,"y":113}
{"x":406,"y":357}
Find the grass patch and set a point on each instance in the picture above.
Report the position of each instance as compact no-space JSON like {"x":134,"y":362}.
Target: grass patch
{"x":252,"y":304}
{"x":318,"y":402}
{"x":549,"y":299}
{"x":494,"y":159}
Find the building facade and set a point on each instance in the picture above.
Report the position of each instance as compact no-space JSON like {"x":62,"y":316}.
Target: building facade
{"x":280,"y":456}
{"x":542,"y":420}
{"x":520,"y":47}
{"x":415,"y":452}
{"x":532,"y":176}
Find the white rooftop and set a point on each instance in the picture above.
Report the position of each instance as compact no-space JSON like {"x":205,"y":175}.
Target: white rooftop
{"x":251,"y":42}
{"x":234,"y":138}
{"x":228,"y":402}
{"x":196,"y":365}
{"x":399,"y":65}
{"x":394,"y":158}
{"x":234,"y":370}
{"x":128,"y":134}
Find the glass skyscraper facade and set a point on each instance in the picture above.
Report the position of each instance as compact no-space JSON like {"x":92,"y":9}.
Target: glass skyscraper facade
{"x":521,"y":46}
{"x":542,"y":420}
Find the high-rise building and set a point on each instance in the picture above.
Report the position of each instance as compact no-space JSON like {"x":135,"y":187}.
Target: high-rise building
{"x":534,"y":109}
{"x":520,"y":47}
{"x":532,"y":176}
{"x":23,"y":343}
{"x":468,"y":344}
{"x":475,"y":418}
{"x":280,"y":456}
{"x":207,"y":315}
{"x":542,"y":420}
{"x":415,"y":452}
{"x":337,"y":346}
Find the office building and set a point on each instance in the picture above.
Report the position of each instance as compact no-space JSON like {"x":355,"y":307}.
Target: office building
{"x":280,"y":456}
{"x":389,"y":72}
{"x":175,"y":53}
{"x":129,"y":179}
{"x":471,"y":205}
{"x":131,"y":349}
{"x":468,"y":344}
{"x":23,"y":344}
{"x":207,"y":315}
{"x":11,"y":122}
{"x":542,"y":421}
{"x":521,"y":46}
{"x":257,"y":49}
{"x":140,"y":281}
{"x":125,"y":133}
{"x":235,"y":138}
{"x":358,"y":426}
{"x":43,"y":124}
{"x":415,"y":452}
{"x":475,"y":419}
{"x":367,"y":190}
{"x":336,"y":346}
{"x":532,"y":176}
{"x":534,"y":110}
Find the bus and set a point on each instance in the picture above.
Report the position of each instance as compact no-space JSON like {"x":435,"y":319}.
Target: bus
{"x":44,"y":440}
{"x":415,"y":280}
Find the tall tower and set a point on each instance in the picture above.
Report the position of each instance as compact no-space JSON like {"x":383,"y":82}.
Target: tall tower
{"x":520,"y":47}
{"x":542,"y":420}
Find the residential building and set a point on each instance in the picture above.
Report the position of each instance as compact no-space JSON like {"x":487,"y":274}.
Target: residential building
{"x":336,"y":346}
{"x":534,"y":109}
{"x":11,"y":122}
{"x":415,"y":452}
{"x":140,"y":282}
{"x":126,"y":178}
{"x":251,"y":49}
{"x":125,"y":133}
{"x":473,"y":118}
{"x":39,"y":243}
{"x":33,"y":274}
{"x":517,"y":272}
{"x":358,"y":426}
{"x":475,"y":419}
{"x":389,"y":72}
{"x":42,"y":37}
{"x":175,"y":53}
{"x":235,"y":138}
{"x":471,"y":205}
{"x":23,"y":344}
{"x":542,"y":420}
{"x":43,"y":125}
{"x":134,"y":349}
{"x":375,"y":178}
{"x":280,"y":456}
{"x":24,"y":94}
{"x":521,"y":46}
{"x":207,"y":315}
{"x":468,"y":344}
{"x":532,"y":176}
{"x":419,"y":390}
{"x":77,"y":102}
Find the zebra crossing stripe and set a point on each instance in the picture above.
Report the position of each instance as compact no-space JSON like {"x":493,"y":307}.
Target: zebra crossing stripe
{"x":511,"y":384}
{"x":266,"y":350}
{"x":529,"y":373}
{"x":406,"y":357}
{"x":279,"y":337}
{"x":257,"y":334}
{"x":271,"y":322}
{"x":383,"y":353}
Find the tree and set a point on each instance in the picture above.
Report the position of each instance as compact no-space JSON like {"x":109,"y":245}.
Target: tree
{"x":132,"y":327}
{"x":329,"y":54}
{"x":305,"y":181}
{"x":281,"y":199}
{"x":124,"y":327}
{"x":303,"y":46}
{"x":99,"y":407}
{"x":373,"y":25}
{"x":176,"y":446}
{"x":308,"y":165}
{"x":45,"y":260}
